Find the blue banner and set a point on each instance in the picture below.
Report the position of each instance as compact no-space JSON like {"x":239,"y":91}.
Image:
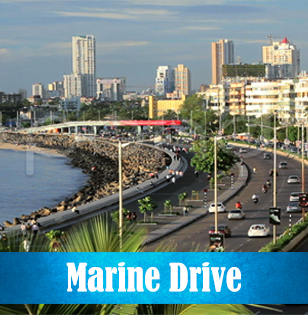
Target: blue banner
{"x":165,"y":278}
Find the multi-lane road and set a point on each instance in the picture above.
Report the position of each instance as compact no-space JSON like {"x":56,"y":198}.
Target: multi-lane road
{"x":195,"y":236}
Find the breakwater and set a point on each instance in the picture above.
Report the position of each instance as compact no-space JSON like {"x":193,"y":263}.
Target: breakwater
{"x":97,"y":158}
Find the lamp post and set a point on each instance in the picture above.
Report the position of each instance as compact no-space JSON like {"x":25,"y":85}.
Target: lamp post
{"x":215,"y":183}
{"x":275,"y":128}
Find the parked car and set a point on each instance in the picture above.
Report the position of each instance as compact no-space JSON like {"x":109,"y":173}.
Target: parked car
{"x":220,"y":207}
{"x":242,"y":150}
{"x":283,"y":164}
{"x":236,"y":214}
{"x":222,"y":229}
{"x":293,"y":179}
{"x":258,"y":230}
{"x":293,"y":206}
{"x":294,"y":196}
{"x":293,"y":150}
{"x":267,"y":156}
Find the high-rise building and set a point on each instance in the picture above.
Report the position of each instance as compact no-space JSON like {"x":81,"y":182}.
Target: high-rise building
{"x":182,"y":80}
{"x":38,"y":89}
{"x":83,"y":67}
{"x":110,"y":89}
{"x":164,"y":82}
{"x":284,"y":57}
{"x":222,"y":54}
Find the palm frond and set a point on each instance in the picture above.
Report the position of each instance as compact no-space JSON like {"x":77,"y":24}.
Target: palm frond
{"x":99,"y":235}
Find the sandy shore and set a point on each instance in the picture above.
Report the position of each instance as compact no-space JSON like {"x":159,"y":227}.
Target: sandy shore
{"x":33,"y":148}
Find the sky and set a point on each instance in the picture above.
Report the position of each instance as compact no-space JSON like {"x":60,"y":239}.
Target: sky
{"x":134,"y":37}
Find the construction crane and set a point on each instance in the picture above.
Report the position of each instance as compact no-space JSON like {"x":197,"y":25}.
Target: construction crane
{"x":271,"y":38}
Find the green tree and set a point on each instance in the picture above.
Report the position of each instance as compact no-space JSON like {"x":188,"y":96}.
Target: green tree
{"x":182,"y":198}
{"x":168,"y":205}
{"x":115,"y":216}
{"x":203,"y":159}
{"x":146,"y":205}
{"x":193,"y":108}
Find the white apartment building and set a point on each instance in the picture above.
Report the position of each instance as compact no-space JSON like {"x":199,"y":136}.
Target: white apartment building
{"x":284,"y":57}
{"x":110,"y":89}
{"x":83,"y":67}
{"x":72,"y":85}
{"x":164,"y":82}
{"x":38,"y":89}
{"x":182,"y":80}
{"x":301,"y":99}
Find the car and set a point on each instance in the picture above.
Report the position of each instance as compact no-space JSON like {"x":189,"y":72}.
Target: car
{"x":229,"y":147}
{"x":293,"y":206}
{"x":242,"y":150}
{"x":294,"y":149}
{"x":258,"y":230}
{"x":283,"y":164}
{"x":294,"y":196}
{"x":267,"y":156}
{"x":221,"y":229}
{"x":220,"y":207}
{"x":236,"y":214}
{"x":293,"y":179}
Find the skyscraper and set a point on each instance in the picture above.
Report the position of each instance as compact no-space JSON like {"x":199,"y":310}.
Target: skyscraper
{"x":222,"y":54}
{"x":182,"y":80}
{"x":164,"y":82}
{"x":284,"y":57}
{"x":82,"y":81}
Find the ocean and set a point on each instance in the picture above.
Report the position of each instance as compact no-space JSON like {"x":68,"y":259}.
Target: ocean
{"x":30,"y":181}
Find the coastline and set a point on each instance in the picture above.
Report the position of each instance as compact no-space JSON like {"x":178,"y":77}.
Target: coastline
{"x":33,"y":148}
{"x":97,"y":159}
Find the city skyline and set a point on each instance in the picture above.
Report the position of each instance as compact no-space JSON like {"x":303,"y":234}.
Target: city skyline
{"x":134,"y":37}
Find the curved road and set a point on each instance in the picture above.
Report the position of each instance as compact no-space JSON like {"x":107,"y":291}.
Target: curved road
{"x":195,"y":236}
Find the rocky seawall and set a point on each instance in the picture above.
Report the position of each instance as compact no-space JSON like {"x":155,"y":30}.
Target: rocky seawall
{"x":96,"y":157}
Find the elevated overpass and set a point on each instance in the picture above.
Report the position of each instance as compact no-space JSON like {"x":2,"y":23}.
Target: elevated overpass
{"x":93,"y":127}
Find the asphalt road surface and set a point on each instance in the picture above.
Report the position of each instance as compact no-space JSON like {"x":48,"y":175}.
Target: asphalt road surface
{"x":195,"y":236}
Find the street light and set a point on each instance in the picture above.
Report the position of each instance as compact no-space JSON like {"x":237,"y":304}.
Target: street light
{"x":120,"y":146}
{"x":215,"y":183}
{"x":275,"y":128}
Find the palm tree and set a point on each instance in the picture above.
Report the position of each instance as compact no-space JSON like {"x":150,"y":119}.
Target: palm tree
{"x":182,"y":198}
{"x":168,"y":205}
{"x":146,"y":204}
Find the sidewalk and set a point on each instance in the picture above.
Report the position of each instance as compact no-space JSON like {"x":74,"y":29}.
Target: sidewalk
{"x":225,"y":194}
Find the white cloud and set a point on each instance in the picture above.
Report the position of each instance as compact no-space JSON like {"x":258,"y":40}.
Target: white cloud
{"x":129,"y":14}
{"x":4,"y":51}
{"x":201,"y":28}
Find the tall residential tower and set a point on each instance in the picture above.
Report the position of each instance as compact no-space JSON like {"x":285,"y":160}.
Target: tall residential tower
{"x":82,"y":81}
{"x":222,"y":54}
{"x":182,"y":80}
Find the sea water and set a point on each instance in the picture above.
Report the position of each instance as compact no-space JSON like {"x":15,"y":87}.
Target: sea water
{"x":30,"y":181}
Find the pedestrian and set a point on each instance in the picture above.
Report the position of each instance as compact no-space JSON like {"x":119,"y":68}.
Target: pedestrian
{"x":196,"y":174}
{"x":26,"y":244}
{"x":254,"y":170}
{"x":34,"y":229}
{"x":173,"y":179}
{"x":23,"y":229}
{"x":156,"y":175}
{"x":134,"y":216}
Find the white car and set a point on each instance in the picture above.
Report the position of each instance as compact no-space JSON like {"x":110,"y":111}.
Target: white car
{"x":258,"y":230}
{"x":294,"y":196}
{"x":220,"y":207}
{"x":236,"y":214}
{"x":293,"y":179}
{"x":229,"y":147}
{"x":283,"y":164}
{"x":243,"y":150}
